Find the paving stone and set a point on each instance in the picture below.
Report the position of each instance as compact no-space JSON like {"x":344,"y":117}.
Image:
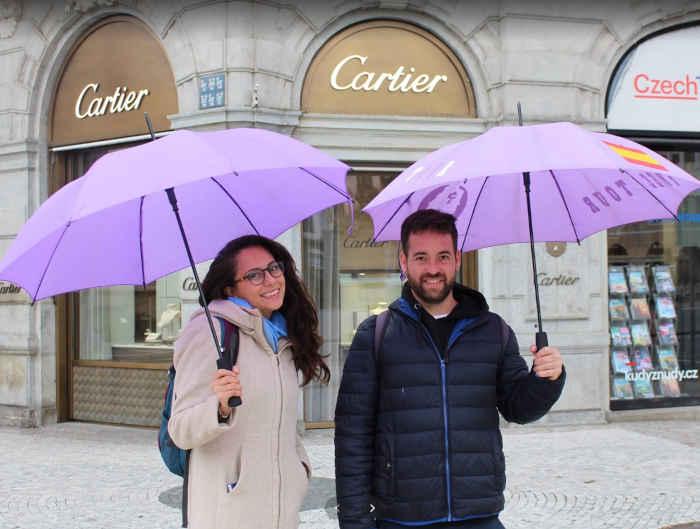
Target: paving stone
{"x":642,"y":475}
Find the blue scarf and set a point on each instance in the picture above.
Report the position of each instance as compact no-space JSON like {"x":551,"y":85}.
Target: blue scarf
{"x":274,"y":328}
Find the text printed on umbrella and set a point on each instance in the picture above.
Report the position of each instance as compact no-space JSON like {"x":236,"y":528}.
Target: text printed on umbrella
{"x":621,"y":189}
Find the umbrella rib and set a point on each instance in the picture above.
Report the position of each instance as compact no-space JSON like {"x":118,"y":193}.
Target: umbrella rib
{"x":143,"y":271}
{"x":333,"y":187}
{"x":236,"y":203}
{"x":652,"y":194}
{"x":48,"y":262}
{"x":568,"y":212}
{"x":374,"y":239}
{"x":464,"y":240}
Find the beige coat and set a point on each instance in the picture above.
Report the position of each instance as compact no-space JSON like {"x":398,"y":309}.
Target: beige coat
{"x":251,"y":472}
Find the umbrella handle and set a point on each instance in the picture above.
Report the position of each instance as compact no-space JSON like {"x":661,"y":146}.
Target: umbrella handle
{"x":232,"y":401}
{"x":541,"y":340}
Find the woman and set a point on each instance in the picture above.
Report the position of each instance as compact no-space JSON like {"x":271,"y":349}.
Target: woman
{"x":248,"y":467}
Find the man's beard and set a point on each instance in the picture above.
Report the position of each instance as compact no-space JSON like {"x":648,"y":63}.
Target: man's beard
{"x":425,"y":295}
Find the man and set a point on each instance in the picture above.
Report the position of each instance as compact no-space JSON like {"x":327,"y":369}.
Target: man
{"x":417,"y":441}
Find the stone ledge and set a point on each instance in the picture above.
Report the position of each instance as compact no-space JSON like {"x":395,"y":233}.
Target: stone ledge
{"x":18,"y":416}
{"x":223,"y":118}
{"x":18,"y":352}
{"x":690,"y":413}
{"x":560,"y":418}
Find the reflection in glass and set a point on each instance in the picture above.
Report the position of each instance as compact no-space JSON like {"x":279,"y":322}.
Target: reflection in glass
{"x":350,"y":277}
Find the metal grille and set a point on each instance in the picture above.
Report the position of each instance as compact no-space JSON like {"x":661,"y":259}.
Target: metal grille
{"x":119,"y":396}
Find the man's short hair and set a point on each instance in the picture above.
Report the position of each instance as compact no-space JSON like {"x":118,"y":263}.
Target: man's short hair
{"x":428,"y":220}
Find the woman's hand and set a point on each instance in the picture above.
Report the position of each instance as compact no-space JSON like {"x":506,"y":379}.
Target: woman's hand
{"x":226,"y":384}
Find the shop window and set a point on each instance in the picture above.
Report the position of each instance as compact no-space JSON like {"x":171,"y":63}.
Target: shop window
{"x":126,"y":324}
{"x":350,"y":278}
{"x":654,"y":306}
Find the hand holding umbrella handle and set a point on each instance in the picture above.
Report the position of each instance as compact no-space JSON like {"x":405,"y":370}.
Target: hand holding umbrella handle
{"x":232,"y":401}
{"x":541,"y":340}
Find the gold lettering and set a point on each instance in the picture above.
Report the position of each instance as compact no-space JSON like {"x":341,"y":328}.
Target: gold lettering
{"x":79,"y":101}
{"x":129,"y":101}
{"x":122,"y":100}
{"x":421,"y":83}
{"x":94,"y":107}
{"x":339,"y":66}
{"x":393,"y":86}
{"x":401,"y":80}
{"x":139,"y":98}
{"x":365,"y":85}
{"x":437,"y":79}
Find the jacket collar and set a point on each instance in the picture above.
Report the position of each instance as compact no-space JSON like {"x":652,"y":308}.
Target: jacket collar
{"x":470,"y":303}
{"x":248,"y":320}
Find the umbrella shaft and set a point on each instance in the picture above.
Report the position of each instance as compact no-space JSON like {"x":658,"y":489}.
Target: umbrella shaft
{"x":526,"y":182}
{"x":173,"y":202}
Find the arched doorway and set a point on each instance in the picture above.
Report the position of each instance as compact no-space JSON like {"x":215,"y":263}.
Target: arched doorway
{"x":107,"y":370}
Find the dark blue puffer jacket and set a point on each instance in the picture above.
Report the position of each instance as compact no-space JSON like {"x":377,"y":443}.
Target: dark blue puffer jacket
{"x":417,"y":438}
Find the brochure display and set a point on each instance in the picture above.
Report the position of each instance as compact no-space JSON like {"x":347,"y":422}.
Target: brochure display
{"x":616,"y":281}
{"x":618,"y":310}
{"x":643,"y":338}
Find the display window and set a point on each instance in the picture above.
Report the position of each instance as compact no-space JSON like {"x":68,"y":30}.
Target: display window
{"x":654,"y":305}
{"x":350,"y":277}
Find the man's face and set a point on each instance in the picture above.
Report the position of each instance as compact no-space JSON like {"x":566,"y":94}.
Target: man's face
{"x":431,"y":265}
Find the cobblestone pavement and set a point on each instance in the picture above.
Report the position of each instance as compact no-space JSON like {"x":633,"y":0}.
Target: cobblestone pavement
{"x":620,"y":476}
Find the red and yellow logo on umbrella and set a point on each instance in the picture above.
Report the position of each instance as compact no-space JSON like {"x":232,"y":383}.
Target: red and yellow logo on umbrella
{"x":635,"y":156}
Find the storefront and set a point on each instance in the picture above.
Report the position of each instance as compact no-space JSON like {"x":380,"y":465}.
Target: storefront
{"x":654,"y":267}
{"x":381,"y":67}
{"x":376,"y":86}
{"x":114,"y":344}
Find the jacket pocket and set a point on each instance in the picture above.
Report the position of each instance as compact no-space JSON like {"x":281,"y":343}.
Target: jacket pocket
{"x":384,"y":469}
{"x":231,"y":502}
{"x":235,"y":480}
{"x":499,"y":462}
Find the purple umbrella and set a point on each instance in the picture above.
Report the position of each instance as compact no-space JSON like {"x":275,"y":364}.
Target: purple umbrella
{"x":581,"y":183}
{"x":115,"y":225}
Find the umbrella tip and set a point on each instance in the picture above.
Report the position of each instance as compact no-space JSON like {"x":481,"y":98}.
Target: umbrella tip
{"x":149,"y":125}
{"x":520,"y":114}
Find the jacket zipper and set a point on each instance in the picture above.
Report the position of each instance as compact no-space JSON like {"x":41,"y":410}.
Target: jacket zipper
{"x":279,"y":442}
{"x":445,"y":413}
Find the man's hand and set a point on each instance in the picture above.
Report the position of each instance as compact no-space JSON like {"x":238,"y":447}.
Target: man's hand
{"x":226,"y":384}
{"x":547,"y":363}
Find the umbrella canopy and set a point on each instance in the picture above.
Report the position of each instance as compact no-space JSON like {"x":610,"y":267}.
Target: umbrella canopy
{"x":115,"y":225}
{"x":554,"y":182}
{"x":582,"y":182}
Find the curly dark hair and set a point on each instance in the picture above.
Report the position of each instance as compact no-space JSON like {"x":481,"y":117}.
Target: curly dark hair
{"x":428,"y":220}
{"x":298,"y":307}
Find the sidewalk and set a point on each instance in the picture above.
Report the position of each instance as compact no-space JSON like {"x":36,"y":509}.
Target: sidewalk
{"x":617,"y":476}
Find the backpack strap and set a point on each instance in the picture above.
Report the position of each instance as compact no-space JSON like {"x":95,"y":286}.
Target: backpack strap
{"x":229,"y":341}
{"x":185,"y":489}
{"x":505,"y":334}
{"x":379,"y":330}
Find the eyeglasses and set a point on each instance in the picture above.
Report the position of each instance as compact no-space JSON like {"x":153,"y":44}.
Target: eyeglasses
{"x":257,"y":275}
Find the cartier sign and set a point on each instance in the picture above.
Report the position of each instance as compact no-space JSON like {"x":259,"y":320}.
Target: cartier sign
{"x":11,"y":293}
{"x":106,"y":86}
{"x":402,"y":79}
{"x":387,"y":67}
{"x":122,"y":100}
{"x":189,"y":284}
{"x":564,"y":280}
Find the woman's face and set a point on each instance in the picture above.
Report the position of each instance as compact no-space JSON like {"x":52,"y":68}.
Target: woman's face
{"x":268,"y":295}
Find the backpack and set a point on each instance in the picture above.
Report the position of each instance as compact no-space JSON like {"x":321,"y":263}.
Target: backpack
{"x":175,"y":458}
